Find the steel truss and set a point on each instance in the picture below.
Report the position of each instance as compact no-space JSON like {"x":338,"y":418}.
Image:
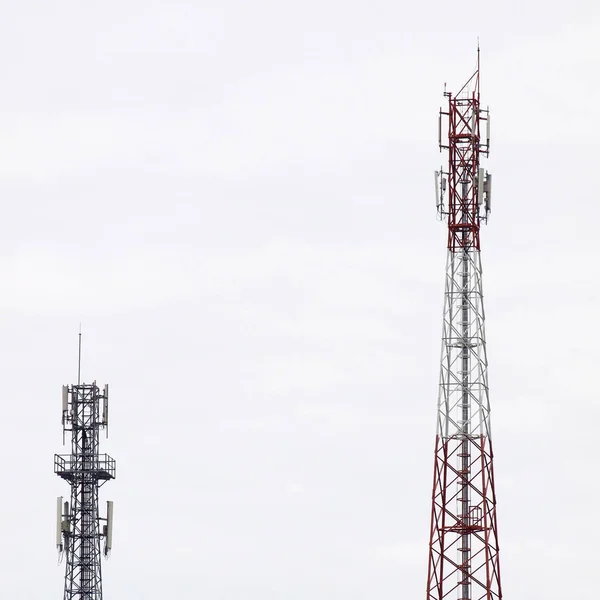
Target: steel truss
{"x":463,"y":548}
{"x":86,"y":471}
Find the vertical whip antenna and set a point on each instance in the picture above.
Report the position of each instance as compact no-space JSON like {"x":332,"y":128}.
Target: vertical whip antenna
{"x":79,"y":358}
{"x":464,"y":559}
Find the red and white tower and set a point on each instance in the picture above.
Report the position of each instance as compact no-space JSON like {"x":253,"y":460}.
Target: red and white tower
{"x":463,"y":547}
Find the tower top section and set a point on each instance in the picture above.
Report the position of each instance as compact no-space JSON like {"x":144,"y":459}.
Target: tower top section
{"x":79,"y":526}
{"x":464,"y":188}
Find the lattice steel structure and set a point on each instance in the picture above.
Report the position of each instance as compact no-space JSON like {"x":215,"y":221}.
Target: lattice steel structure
{"x":463,"y":548}
{"x":79,"y":530}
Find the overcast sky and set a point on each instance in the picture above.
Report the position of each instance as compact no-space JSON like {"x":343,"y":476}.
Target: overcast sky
{"x":236,"y":200}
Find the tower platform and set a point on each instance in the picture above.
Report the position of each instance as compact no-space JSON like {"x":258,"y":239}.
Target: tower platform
{"x":69,"y":467}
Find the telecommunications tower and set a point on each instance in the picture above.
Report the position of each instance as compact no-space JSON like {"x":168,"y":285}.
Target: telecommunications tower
{"x":79,"y":527}
{"x":463,"y":546}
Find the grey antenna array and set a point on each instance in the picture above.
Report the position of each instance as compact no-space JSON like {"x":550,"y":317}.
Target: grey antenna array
{"x":79,"y":527}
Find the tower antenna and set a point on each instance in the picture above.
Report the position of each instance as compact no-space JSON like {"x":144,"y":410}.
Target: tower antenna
{"x":79,"y":358}
{"x":464,"y":559}
{"x":79,"y":526}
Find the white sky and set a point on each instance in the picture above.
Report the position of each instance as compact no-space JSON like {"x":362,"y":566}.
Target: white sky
{"x":236,"y":199}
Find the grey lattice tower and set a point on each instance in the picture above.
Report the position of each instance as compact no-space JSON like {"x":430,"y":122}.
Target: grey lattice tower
{"x":79,"y":531}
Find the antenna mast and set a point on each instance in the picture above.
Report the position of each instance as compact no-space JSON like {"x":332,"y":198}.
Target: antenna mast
{"x":78,"y":524}
{"x":79,"y":358}
{"x":463,"y":546}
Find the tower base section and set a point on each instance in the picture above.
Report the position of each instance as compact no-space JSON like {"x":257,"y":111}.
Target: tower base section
{"x":463,"y":547}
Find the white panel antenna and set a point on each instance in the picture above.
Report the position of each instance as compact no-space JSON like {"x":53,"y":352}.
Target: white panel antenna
{"x":65,"y":398}
{"x":105,"y":406}
{"x":487,"y":128}
{"x":109,"y":527}
{"x":59,"y":507}
{"x":480,"y":185}
{"x":437,"y":189}
{"x":488,"y":192}
{"x":440,"y":130}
